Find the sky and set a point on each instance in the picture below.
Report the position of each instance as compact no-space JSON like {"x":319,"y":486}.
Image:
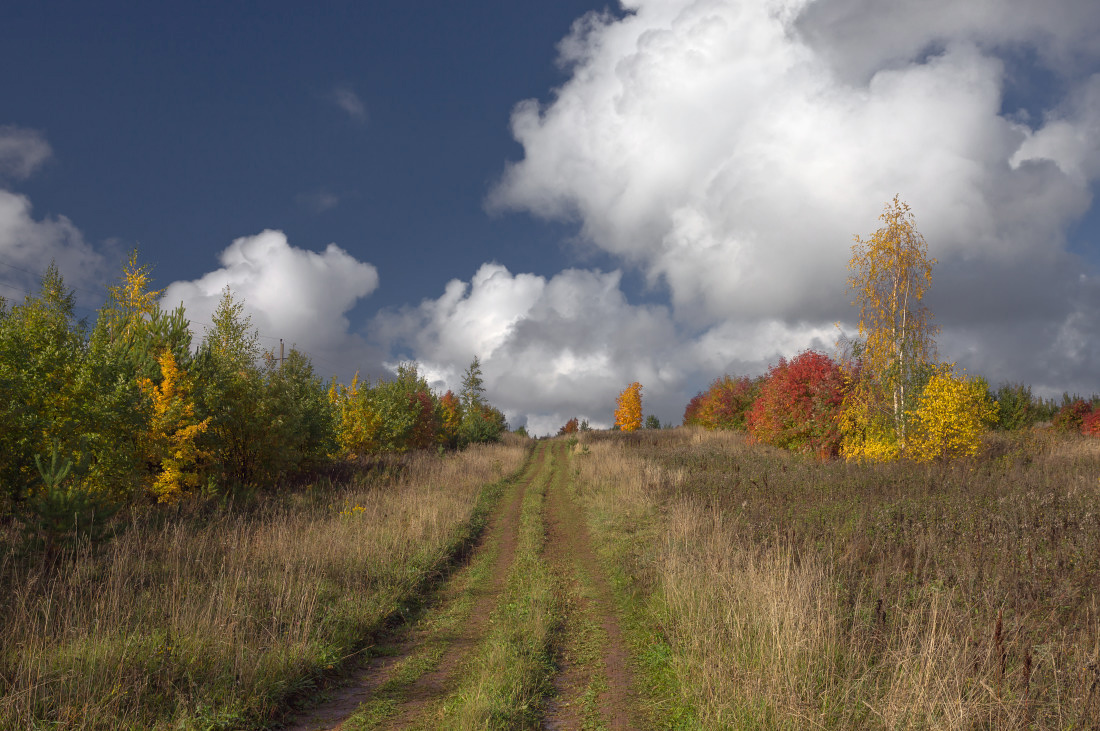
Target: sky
{"x":580,"y":194}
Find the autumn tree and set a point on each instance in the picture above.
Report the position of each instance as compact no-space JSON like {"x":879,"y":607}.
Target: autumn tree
{"x":1071,"y":417}
{"x":628,"y":408}
{"x":798,"y":405}
{"x":358,"y":422}
{"x":571,"y":427}
{"x":450,"y":419}
{"x":693,"y":412}
{"x":725,"y":405}
{"x":889,"y":274}
{"x":127,"y":345}
{"x":173,"y":431}
{"x":953,"y":414}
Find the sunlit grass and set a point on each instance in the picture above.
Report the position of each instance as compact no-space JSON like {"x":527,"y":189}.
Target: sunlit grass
{"x":218,"y":619}
{"x":794,"y":593}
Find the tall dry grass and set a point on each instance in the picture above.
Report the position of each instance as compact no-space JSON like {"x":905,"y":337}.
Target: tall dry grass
{"x":798,"y":594}
{"x":216,"y":620}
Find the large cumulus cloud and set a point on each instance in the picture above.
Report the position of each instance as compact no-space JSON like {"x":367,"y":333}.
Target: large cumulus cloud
{"x":300,"y":296}
{"x":730,"y":149}
{"x":558,"y":347}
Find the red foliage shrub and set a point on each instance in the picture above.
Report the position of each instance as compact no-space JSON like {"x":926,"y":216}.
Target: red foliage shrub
{"x":427,"y":425}
{"x":799,"y":405}
{"x":694,"y":410}
{"x":1090,"y":424}
{"x":571,"y":426}
{"x":1071,"y":417}
{"x":725,"y":405}
{"x":728,"y":403}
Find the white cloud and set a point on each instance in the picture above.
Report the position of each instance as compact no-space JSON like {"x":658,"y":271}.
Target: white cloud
{"x":22,"y":151}
{"x":859,"y":37}
{"x":300,"y":296}
{"x":346,"y":98}
{"x":317,"y":201}
{"x":730,"y":150}
{"x":555,"y":348}
{"x":28,"y":246}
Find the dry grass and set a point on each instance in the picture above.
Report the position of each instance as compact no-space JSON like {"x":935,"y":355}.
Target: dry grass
{"x":798,"y":594}
{"x":216,"y":620}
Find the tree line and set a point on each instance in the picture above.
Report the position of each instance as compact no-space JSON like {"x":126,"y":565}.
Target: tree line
{"x":128,"y":410}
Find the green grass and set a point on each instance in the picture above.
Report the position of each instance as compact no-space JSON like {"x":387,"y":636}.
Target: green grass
{"x":506,"y":680}
{"x":432,"y":634}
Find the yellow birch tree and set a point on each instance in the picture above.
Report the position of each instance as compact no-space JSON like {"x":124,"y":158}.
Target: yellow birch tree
{"x":953,"y":414}
{"x":628,"y":408}
{"x":358,"y":423}
{"x":889,"y":274}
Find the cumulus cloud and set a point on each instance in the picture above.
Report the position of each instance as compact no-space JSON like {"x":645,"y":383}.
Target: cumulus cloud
{"x":28,"y":246}
{"x":556,"y":348}
{"x":859,"y":37}
{"x":300,"y":296}
{"x":730,"y":150}
{"x":346,"y":98}
{"x":22,"y":151}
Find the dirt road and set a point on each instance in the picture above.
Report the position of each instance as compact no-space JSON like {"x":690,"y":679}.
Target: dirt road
{"x":426,"y":674}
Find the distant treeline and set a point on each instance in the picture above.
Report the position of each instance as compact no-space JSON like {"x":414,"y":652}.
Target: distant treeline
{"x":806,"y":404}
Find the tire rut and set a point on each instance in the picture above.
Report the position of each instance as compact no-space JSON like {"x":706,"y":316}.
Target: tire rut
{"x":500,"y":535}
{"x":594,"y":683}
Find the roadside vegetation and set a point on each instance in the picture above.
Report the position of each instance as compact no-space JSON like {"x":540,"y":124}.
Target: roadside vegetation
{"x":216,"y":618}
{"x":130,"y":413}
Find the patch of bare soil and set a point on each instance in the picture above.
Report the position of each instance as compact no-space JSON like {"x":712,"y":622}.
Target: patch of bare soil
{"x":502,"y":529}
{"x":592,"y":654}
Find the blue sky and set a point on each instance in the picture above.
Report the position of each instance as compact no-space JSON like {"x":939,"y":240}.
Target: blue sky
{"x":663,"y":192}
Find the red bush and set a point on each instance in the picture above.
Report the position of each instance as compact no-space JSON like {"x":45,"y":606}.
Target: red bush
{"x":1071,"y":417}
{"x":427,"y":425}
{"x":1090,"y":424}
{"x":799,"y":405}
{"x":693,"y":412}
{"x":570,"y":427}
{"x":725,"y":405}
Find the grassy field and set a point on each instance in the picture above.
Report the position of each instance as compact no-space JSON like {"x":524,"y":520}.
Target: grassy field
{"x":769,"y":590}
{"x":754,"y":588}
{"x":216,"y":620}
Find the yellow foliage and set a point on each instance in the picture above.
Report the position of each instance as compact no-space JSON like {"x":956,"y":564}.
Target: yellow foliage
{"x":628,"y":408}
{"x":953,"y":414}
{"x":133,"y":301}
{"x":867,"y":437}
{"x":889,"y":274}
{"x":173,"y":432}
{"x":358,"y":423}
